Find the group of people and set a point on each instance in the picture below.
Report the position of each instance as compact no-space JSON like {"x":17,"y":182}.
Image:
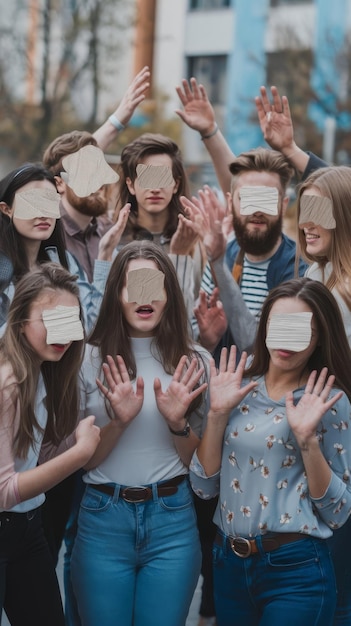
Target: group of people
{"x":166,"y":360}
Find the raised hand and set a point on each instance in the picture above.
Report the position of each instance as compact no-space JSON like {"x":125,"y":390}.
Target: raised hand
{"x":184,"y":387}
{"x":226,"y":390}
{"x":118,"y":389}
{"x":112,"y":237}
{"x":211,"y":319}
{"x":275,"y":120}
{"x":134,"y":95}
{"x":197,"y":111}
{"x":185,"y":237}
{"x":315,"y":402}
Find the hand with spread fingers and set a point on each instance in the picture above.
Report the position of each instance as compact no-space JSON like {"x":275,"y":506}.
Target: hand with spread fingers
{"x":184,"y":387}
{"x":118,"y":389}
{"x":315,"y":402}
{"x":226,"y":390}
{"x":197,"y":112}
{"x":211,"y":319}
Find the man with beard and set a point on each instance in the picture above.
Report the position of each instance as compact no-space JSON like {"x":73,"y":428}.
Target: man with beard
{"x":259,"y":256}
{"x":81,"y":217}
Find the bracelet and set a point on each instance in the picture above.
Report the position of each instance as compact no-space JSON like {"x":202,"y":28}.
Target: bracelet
{"x":116,"y":123}
{"x":185,"y":432}
{"x":216,"y":129}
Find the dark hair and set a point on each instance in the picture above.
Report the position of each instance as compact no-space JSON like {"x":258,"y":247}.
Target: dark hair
{"x":134,"y":153}
{"x":171,"y":340}
{"x":333,"y":349}
{"x":62,"y":398}
{"x":262,"y":159}
{"x":65,"y":144}
{"x":11,"y":243}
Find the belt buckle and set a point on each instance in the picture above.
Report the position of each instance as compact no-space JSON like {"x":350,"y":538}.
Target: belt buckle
{"x":244,"y":544}
{"x":147,"y":493}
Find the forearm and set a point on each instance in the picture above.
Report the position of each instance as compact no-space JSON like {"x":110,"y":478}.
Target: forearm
{"x":209,"y":451}
{"x":297,"y":157}
{"x":317,"y":469}
{"x":242,"y":323}
{"x":43,"y":477}
{"x":105,"y":135}
{"x":186,"y":446}
{"x":222,"y":157}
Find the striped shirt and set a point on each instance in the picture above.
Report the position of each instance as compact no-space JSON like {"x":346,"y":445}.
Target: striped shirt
{"x":253,"y":284}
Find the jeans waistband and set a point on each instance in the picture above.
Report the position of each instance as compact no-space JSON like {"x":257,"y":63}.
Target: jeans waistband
{"x":142,"y":493}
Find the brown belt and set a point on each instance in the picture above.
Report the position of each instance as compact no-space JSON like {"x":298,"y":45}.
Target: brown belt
{"x":245,"y":547}
{"x":142,"y":494}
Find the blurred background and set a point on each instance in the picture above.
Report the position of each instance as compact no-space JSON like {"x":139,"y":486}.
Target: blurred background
{"x":65,"y":64}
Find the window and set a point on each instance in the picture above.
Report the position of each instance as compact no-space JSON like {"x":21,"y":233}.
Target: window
{"x":208,"y":4}
{"x":211,"y":71}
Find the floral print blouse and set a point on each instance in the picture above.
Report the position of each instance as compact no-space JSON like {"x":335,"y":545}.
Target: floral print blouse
{"x":262,"y":483}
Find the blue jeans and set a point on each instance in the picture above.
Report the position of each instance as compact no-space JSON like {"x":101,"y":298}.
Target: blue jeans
{"x":293,"y":585}
{"x":136,"y":564}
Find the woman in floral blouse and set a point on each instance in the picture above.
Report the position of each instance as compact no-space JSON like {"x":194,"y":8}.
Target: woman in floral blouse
{"x":277,"y":448}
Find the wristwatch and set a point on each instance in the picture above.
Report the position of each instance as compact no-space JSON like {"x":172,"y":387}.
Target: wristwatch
{"x":185,"y":432}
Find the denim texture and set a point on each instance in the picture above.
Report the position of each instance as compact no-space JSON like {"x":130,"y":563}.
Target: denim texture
{"x":293,"y":585}
{"x":136,"y":564}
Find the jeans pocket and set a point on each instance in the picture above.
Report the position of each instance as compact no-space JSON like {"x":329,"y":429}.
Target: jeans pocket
{"x":300,"y":553}
{"x":181,"y":500}
{"x":95,"y":501}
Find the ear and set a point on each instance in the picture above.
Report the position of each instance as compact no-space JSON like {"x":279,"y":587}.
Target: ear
{"x":130,"y":186}
{"x":176,"y":186}
{"x":5,"y":209}
{"x":60,"y":185}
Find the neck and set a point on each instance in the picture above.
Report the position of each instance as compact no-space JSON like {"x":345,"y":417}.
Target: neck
{"x":279,"y":383}
{"x":79,"y":218}
{"x":153,"y":223}
{"x":32,"y":248}
{"x":263,"y":257}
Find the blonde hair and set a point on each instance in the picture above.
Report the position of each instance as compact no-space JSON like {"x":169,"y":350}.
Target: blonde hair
{"x":60,"y":378}
{"x":333,"y":183}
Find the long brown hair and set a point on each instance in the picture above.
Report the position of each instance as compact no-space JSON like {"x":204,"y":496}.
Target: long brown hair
{"x":60,"y":378}
{"x":132,"y":154}
{"x":333,"y":349}
{"x":333,"y":183}
{"x":171,"y":340}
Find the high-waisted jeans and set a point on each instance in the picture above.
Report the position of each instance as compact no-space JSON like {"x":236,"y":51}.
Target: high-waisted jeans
{"x":293,"y":585}
{"x":136,"y":564}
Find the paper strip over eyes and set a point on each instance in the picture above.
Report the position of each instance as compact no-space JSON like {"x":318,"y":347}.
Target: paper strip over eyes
{"x":87,"y":170}
{"x":154,"y":176}
{"x":258,"y":199}
{"x":37,"y":202}
{"x":317,"y":210}
{"x":63,"y":324}
{"x":145,"y":285}
{"x":292,"y":331}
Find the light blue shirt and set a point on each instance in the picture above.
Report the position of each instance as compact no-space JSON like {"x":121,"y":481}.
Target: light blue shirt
{"x":262,"y":483}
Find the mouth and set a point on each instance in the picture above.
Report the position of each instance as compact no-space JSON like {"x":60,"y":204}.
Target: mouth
{"x":311,"y":237}
{"x":145,"y":310}
{"x":59,"y":347}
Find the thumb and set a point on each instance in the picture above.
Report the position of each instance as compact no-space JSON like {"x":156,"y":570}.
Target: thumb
{"x":157,"y":387}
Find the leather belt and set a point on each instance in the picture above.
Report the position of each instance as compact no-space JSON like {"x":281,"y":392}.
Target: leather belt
{"x":246,"y":547}
{"x":142,"y":494}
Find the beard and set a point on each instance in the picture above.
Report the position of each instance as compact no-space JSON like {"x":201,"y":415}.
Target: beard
{"x":94,"y":205}
{"x":257,"y":242}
